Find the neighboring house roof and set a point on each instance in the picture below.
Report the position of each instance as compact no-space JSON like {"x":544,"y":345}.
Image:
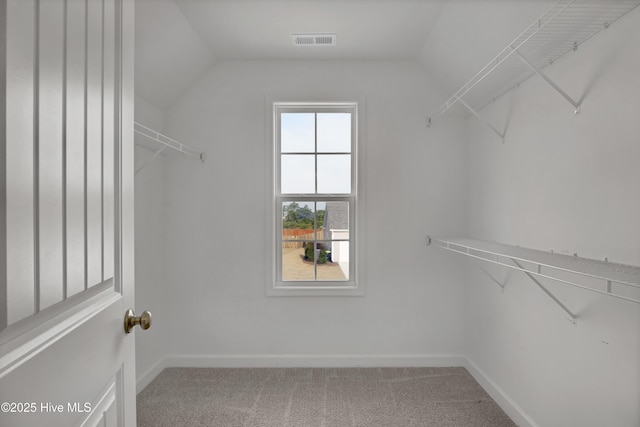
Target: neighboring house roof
{"x":336,"y":216}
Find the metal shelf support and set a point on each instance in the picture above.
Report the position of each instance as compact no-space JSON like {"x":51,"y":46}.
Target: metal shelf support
{"x":496,"y":281}
{"x":486,"y":123}
{"x":149,"y":159}
{"x":572,"y":316}
{"x":550,"y":82}
{"x":475,"y":113}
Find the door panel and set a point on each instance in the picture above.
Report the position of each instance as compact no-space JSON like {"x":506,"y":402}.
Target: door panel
{"x":75,"y":129}
{"x":19,"y":71}
{"x":94,"y":142}
{"x":81,"y":374}
{"x":108,"y":123}
{"x":67,"y":212}
{"x":49,"y":50}
{"x":106,"y":407}
{"x":60,"y":156}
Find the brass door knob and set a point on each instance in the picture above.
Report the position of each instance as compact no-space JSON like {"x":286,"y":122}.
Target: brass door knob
{"x":131,"y":320}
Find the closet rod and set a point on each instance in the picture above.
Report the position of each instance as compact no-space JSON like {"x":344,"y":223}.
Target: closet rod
{"x":166,"y":141}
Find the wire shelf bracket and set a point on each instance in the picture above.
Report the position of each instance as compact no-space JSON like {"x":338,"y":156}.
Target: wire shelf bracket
{"x":557,"y":88}
{"x":496,"y":281}
{"x":165,"y":143}
{"x":150,"y":159}
{"x":566,"y":25}
{"x":572,"y":317}
{"x":485,"y":122}
{"x":601,"y":277}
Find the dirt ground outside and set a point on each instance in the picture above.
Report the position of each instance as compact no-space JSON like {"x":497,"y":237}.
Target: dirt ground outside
{"x":295,"y":268}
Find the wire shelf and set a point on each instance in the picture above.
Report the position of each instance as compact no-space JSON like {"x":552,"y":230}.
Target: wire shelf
{"x":560,"y":30}
{"x":551,"y":265}
{"x":166,"y":141}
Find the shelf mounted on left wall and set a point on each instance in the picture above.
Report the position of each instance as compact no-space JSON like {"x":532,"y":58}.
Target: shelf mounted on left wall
{"x":165,"y":143}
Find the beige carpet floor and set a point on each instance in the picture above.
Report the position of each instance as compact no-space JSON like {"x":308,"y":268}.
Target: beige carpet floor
{"x":346,"y":397}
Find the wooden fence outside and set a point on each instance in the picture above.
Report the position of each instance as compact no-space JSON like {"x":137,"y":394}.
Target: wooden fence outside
{"x":295,"y":238}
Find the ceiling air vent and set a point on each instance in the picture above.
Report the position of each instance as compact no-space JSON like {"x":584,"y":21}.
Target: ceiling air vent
{"x":316,"y":39}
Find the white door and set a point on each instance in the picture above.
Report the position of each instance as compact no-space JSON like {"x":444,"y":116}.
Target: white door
{"x":66,"y":174}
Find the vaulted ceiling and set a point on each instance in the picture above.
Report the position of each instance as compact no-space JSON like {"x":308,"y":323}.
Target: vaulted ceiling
{"x":177,"y":41}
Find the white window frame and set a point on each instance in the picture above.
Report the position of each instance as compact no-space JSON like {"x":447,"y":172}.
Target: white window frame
{"x":354,"y":286}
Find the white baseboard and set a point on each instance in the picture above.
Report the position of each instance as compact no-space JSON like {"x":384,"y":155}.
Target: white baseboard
{"x":150,"y":374}
{"x":515,"y":412}
{"x":339,"y":361}
{"x":295,"y":361}
{"x":311,"y":361}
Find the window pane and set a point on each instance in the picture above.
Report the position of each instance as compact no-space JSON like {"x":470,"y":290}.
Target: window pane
{"x":334,"y":219}
{"x":294,"y":265}
{"x":334,"y":174}
{"x":297,"y":174}
{"x":334,"y":132}
{"x":297,"y":133}
{"x":297,"y":220}
{"x":333,"y":261}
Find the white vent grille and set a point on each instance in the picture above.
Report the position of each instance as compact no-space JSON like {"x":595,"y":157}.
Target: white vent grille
{"x":322,"y":39}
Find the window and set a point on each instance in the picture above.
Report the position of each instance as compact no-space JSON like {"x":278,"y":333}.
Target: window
{"x":315,"y":197}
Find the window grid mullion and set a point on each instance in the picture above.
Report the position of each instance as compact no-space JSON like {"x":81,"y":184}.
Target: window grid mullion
{"x":315,"y":239}
{"x":315,"y":203}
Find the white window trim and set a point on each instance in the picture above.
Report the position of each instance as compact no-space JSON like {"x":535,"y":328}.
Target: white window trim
{"x":355,"y":286}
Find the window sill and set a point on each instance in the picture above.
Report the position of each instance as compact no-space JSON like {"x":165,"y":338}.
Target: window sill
{"x":290,"y":289}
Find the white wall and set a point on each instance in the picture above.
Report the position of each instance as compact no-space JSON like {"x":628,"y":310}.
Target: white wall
{"x":560,"y":182}
{"x":415,"y":180}
{"x":567,"y":183}
{"x":170,"y":54}
{"x":150,"y":221}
